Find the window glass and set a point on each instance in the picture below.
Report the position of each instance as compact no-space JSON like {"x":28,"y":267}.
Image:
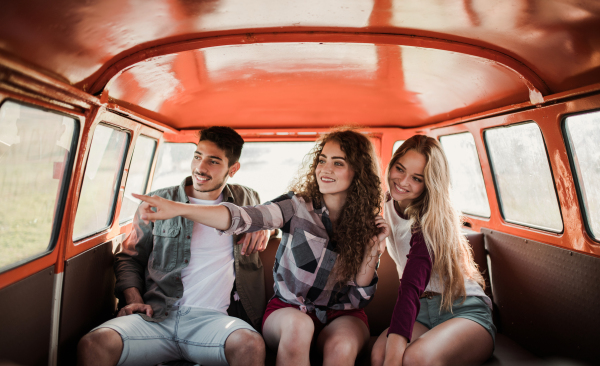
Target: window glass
{"x":137,"y":180}
{"x":270,"y":167}
{"x":468,"y":188}
{"x":36,"y":149}
{"x":583,"y":134}
{"x":173,"y":165}
{"x":101,"y":181}
{"x":523,"y":177}
{"x":397,"y":144}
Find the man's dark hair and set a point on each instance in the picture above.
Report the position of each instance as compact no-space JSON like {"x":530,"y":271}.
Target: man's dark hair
{"x":226,"y":139}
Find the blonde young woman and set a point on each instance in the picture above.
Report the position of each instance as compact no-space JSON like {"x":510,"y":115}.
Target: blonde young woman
{"x":442,"y":315}
{"x":325,"y":265}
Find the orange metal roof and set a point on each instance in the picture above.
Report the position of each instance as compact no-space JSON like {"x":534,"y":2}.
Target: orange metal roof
{"x":311,"y":63}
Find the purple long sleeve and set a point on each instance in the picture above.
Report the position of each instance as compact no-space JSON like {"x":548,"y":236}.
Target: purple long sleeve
{"x":414,"y":281}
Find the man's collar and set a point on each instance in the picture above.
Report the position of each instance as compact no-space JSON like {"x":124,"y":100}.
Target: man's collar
{"x":228,"y":194}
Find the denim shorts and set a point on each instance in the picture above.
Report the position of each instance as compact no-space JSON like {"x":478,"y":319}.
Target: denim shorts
{"x":474,"y":308}
{"x":193,"y":334}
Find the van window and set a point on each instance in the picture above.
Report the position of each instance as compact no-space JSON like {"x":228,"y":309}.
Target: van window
{"x":583,"y":137}
{"x":397,"y":144}
{"x":468,"y":187}
{"x":522,"y":176}
{"x":173,"y":165}
{"x":270,"y":167}
{"x":101,"y":181}
{"x":36,"y":150}
{"x":137,"y":179}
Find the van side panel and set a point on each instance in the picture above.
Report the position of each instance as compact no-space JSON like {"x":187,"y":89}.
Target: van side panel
{"x":88,"y":298}
{"x":26,"y":314}
{"x":547,"y":298}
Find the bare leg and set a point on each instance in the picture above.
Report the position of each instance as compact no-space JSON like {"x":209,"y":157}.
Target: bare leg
{"x":101,"y":347}
{"x":378,"y":352}
{"x":458,"y":341}
{"x":245,"y":347}
{"x":342,"y":339}
{"x":290,"y":332}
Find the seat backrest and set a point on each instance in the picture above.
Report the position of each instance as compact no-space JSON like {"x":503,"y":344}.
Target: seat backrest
{"x":477,"y":242}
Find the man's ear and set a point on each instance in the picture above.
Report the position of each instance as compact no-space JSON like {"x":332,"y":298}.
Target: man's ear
{"x":233,"y":169}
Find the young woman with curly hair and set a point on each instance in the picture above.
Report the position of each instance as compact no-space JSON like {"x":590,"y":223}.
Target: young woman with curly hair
{"x":441,"y":309}
{"x":324,"y":269}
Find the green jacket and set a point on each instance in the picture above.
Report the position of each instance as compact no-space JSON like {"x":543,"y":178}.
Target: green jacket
{"x":153,"y":256}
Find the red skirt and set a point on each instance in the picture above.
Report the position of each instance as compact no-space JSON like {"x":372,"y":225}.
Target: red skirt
{"x":276,"y":304}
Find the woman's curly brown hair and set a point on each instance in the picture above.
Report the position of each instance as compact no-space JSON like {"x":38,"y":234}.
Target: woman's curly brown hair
{"x":356,"y":226}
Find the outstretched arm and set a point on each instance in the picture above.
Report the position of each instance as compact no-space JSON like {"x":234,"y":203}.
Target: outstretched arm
{"x":213,"y":216}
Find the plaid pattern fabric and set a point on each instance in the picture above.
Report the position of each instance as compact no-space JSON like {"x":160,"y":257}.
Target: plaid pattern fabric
{"x":306,"y":255}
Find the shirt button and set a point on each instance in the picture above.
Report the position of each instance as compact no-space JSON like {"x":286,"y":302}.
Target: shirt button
{"x":163,"y":230}
{"x":188,"y":236}
{"x":177,"y":278}
{"x":186,"y":261}
{"x":167,"y":313}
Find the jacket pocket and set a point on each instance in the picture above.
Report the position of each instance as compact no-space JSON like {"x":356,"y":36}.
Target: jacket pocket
{"x":166,"y":244}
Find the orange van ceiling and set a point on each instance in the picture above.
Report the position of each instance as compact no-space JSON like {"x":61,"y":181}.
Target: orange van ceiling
{"x":261,"y":63}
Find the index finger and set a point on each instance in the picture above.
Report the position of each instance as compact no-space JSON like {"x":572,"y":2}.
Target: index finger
{"x":143,"y":197}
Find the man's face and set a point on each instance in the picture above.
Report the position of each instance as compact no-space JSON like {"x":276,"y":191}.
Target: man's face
{"x":210,"y":170}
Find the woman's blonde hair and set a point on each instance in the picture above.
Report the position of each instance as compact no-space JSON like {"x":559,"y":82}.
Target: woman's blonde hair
{"x":434,"y":214}
{"x":356,"y":226}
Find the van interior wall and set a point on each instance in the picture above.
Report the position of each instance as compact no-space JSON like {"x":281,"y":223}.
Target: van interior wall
{"x":26,"y":310}
{"x":546,"y":292}
{"x":88,"y":298}
{"x":546,"y":298}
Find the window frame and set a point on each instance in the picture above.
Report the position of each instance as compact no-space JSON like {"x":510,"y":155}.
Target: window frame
{"x":148,"y":176}
{"x":63,"y":191}
{"x":439,"y":138}
{"x":103,"y":122}
{"x":575,"y":171}
{"x":497,"y":190}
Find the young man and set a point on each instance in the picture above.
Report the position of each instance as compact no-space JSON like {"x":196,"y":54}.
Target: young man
{"x":190,"y":278}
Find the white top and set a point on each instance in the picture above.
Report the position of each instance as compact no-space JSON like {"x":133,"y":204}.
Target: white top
{"x":398,"y":245}
{"x":208,"y":278}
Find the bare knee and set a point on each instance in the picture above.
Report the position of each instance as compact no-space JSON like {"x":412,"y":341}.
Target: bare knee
{"x":102,"y":346}
{"x":246,"y":347}
{"x":297,"y":333}
{"x":340,"y":348}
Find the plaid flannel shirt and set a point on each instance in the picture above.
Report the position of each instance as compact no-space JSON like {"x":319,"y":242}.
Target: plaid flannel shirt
{"x":306,"y":255}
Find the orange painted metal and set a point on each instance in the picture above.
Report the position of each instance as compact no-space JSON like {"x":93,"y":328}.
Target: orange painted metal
{"x":549,"y":119}
{"x":260,"y":37}
{"x":134,"y":129}
{"x":58,"y":55}
{"x":317,"y":84}
{"x":80,"y":40}
{"x":53,"y":258}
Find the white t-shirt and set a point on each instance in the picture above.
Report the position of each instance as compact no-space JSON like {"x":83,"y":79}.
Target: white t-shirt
{"x":398,"y":246}
{"x":208,"y":278}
